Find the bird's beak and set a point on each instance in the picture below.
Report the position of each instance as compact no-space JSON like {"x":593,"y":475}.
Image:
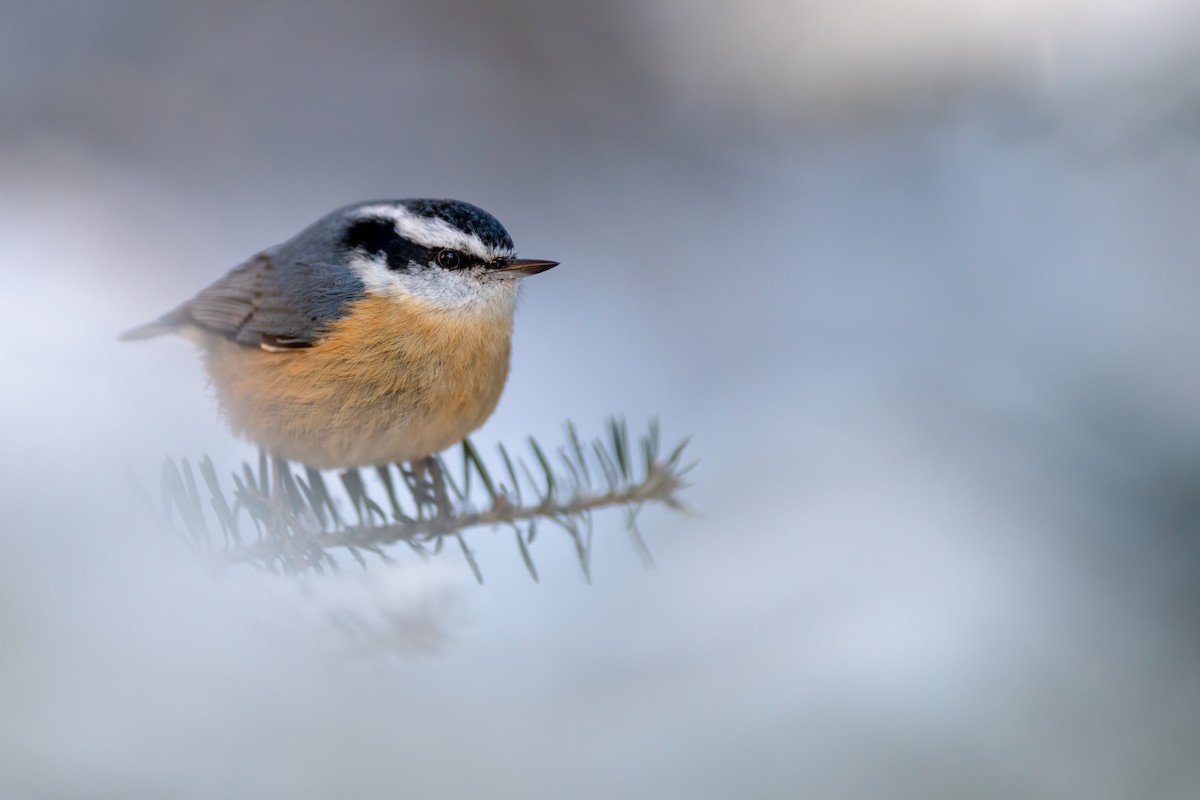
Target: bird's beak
{"x":523,"y":268}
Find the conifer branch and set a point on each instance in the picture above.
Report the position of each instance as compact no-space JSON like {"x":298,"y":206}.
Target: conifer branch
{"x":288,"y":520}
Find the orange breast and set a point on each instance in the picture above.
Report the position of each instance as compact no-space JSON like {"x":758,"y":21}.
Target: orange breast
{"x":391,"y":381}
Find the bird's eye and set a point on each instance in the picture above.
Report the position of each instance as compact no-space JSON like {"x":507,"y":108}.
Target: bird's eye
{"x":450,"y":259}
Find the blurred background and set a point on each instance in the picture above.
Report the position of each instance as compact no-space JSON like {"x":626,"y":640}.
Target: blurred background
{"x":918,"y":277}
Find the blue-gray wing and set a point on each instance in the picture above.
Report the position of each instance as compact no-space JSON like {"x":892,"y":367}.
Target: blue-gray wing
{"x":265,"y":303}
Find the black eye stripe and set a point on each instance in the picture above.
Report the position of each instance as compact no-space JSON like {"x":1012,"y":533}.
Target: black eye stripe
{"x":377,"y":236}
{"x":372,"y":235}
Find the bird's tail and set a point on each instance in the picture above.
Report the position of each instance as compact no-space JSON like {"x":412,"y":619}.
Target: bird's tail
{"x":167,"y":323}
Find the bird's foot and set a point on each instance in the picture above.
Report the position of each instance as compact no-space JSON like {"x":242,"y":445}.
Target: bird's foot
{"x":429,"y":488}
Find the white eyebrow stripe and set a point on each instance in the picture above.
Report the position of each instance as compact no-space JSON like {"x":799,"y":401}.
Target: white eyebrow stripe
{"x":430,"y":231}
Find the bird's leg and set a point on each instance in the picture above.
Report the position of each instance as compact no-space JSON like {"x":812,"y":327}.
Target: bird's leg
{"x":440,"y":496}
{"x":429,"y":487}
{"x":278,"y":502}
{"x":414,"y":474}
{"x":294,"y":540}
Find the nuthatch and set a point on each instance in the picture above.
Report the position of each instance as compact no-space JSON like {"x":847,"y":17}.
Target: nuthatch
{"x":381,"y":333}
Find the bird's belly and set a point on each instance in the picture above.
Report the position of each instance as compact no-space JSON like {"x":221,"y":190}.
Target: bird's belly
{"x":387,"y":383}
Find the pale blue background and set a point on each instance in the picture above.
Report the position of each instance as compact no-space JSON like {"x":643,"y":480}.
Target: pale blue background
{"x":919,"y":278}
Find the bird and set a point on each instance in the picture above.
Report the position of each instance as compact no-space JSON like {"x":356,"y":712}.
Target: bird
{"x":381,"y":333}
